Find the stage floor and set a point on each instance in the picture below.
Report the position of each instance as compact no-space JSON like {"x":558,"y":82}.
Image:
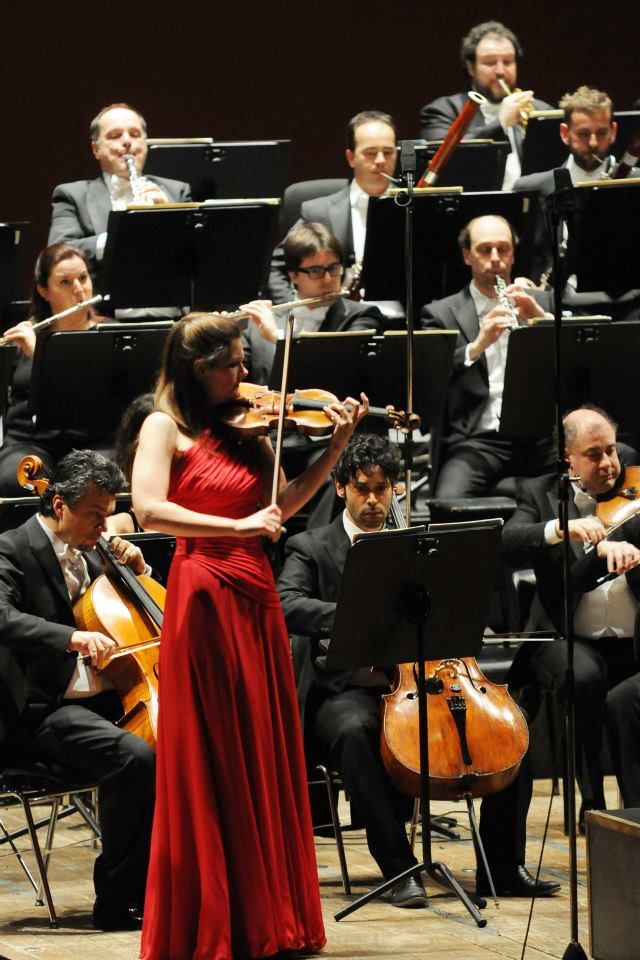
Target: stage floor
{"x":442,"y":931}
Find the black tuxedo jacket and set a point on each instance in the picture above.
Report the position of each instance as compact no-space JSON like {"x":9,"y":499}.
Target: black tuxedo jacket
{"x":469,"y":388}
{"x":334,"y":211}
{"x":36,"y":618}
{"x":436,"y":118}
{"x":341,"y":316}
{"x":309,"y":585}
{"x":81,"y":210}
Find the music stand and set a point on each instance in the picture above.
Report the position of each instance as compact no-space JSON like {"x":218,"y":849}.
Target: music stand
{"x":475,"y":165}
{"x":598,"y":365}
{"x":610,"y":210}
{"x":438,"y":218}
{"x":374,"y":365}
{"x":222,"y":170}
{"x":13,"y":243}
{"x":208,"y":256}
{"x":398,"y":603}
{"x":110,"y":365}
{"x":542,"y":148}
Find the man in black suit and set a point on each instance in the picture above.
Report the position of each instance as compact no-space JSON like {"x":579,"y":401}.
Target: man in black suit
{"x":603,"y":613}
{"x":67,"y":707}
{"x":589,"y":131}
{"x":490,"y":53}
{"x":342,"y":709}
{"x":313,"y":258}
{"x":371,"y":154}
{"x":469,"y":454}
{"x":81,"y":209}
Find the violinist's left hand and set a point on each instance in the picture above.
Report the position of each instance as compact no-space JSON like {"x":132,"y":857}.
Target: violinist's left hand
{"x":345,"y":417}
{"x":128,"y":555}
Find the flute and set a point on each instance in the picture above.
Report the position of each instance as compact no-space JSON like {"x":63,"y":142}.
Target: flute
{"x":43,"y":324}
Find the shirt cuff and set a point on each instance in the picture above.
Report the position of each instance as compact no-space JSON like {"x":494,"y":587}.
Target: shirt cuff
{"x":468,"y":361}
{"x":550,"y":535}
{"x":100,"y":245}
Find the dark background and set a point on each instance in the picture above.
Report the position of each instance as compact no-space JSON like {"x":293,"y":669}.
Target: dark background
{"x":278,"y":70}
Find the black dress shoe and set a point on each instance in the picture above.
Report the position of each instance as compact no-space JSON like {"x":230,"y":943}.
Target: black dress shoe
{"x":518,"y":883}
{"x":109,"y":917}
{"x":407,"y":893}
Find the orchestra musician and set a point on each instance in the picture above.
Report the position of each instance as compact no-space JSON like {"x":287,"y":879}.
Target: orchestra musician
{"x":490,"y":53}
{"x":61,"y":280}
{"x":81,"y":208}
{"x":341,"y":710}
{"x":603,"y":614}
{"x":470,"y":456}
{"x":64,"y":706}
{"x":371,"y":154}
{"x":589,"y":131}
{"x":231,"y":786}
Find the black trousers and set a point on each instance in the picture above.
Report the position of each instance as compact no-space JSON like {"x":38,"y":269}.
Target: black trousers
{"x":474,"y":466}
{"x":623,"y":730}
{"x":80,"y":737}
{"x":599,"y":667}
{"x":348,"y":723}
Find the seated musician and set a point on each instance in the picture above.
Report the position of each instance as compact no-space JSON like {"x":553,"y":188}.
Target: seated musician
{"x":604,"y":614}
{"x":61,"y":280}
{"x":81,"y":209}
{"x":371,"y":153}
{"x":314,"y":261}
{"x":490,"y":53}
{"x":342,"y":710}
{"x":67,"y":707}
{"x":470,"y":456}
{"x":589,"y":131}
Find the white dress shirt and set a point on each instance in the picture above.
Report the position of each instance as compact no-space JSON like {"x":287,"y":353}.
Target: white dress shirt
{"x":496,"y":357}
{"x":513,"y":167}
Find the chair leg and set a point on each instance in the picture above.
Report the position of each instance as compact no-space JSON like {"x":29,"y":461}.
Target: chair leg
{"x":42,"y":870}
{"x":413,"y":828}
{"x":48,"y":846}
{"x":337,"y":827}
{"x":9,"y":838}
{"x":90,"y":820}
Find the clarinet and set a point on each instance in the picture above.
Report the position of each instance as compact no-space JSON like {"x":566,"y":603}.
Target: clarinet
{"x":134,"y":179}
{"x":500,"y":288}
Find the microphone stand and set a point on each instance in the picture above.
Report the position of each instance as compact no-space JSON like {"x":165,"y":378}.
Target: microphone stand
{"x":561,"y":203}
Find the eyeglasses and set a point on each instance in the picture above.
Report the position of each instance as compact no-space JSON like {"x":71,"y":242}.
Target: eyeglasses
{"x":317,"y":273}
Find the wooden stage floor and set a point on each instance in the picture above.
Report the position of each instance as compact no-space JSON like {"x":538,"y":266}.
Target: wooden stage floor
{"x":442,"y":931}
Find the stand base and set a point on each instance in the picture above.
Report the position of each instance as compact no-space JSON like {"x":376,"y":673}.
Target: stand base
{"x":574,"y":952}
{"x":440,"y":874}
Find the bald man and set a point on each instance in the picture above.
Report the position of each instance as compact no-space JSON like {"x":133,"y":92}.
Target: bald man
{"x":472,"y":456}
{"x":603,"y":613}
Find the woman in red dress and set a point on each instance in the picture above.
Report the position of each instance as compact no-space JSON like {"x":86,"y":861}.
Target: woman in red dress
{"x":232,"y":871}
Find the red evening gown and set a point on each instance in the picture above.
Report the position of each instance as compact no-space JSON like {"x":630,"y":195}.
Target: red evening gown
{"x":232,"y":871}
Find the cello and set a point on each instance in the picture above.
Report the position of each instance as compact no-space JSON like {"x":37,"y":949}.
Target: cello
{"x":127,"y":608}
{"x":477,"y":733}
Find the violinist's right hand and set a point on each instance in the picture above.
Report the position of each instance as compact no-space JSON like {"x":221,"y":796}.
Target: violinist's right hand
{"x":96,"y":646}
{"x":264,"y":523}
{"x":23,"y":336}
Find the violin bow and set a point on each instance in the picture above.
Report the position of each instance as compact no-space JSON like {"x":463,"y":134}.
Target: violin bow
{"x":288,"y":336}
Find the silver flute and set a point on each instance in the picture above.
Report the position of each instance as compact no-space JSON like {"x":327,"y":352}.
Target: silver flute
{"x":43,"y":324}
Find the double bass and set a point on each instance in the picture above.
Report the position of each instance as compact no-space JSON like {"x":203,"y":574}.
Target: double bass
{"x":477,"y":733}
{"x":127,"y":608}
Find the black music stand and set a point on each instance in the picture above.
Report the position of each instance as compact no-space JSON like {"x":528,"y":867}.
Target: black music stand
{"x":13,"y":243}
{"x":599,"y":364}
{"x":348,"y":363}
{"x":398,"y":603}
{"x":208,"y":256}
{"x":108,"y":366}
{"x":222,"y":170}
{"x":611,"y":211}
{"x":438,"y":218}
{"x":475,"y":165}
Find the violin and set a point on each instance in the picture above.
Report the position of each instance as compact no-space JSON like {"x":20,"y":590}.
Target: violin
{"x":257,"y":410}
{"x":477,"y":733}
{"x":127,"y":608}
{"x":622,"y":501}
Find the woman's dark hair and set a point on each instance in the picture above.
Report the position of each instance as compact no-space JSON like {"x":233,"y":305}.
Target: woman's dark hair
{"x":180,"y":392}
{"x":45,"y":263}
{"x":74,"y":476}
{"x":126,"y":441}
{"x":365,"y":451}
